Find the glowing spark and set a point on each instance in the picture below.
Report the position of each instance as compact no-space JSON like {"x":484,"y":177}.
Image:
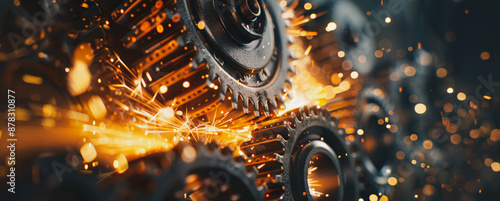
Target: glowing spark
{"x":331,"y":27}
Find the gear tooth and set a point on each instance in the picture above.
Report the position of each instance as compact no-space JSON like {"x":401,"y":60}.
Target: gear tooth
{"x":224,"y":87}
{"x":314,"y":114}
{"x":279,"y":158}
{"x":292,"y":55}
{"x":289,"y":127}
{"x":327,"y":115}
{"x":289,"y":96}
{"x":265,"y":107}
{"x":222,"y":95}
{"x":255,"y":108}
{"x":281,"y":99}
{"x":287,"y":23}
{"x":194,"y":65}
{"x":282,"y":140}
{"x":282,"y":8}
{"x":252,"y":173}
{"x":244,"y":101}
{"x":295,"y":118}
{"x":304,"y":114}
{"x":262,"y":189}
{"x":291,"y":39}
{"x":212,"y":74}
{"x":292,"y":69}
{"x":234,"y":102}
{"x":335,"y":120}
{"x":274,"y":104}
{"x":199,"y":60}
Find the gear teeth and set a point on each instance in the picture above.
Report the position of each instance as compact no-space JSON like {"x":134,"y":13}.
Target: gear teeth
{"x":212,"y":75}
{"x":198,"y":61}
{"x":274,"y":104}
{"x":288,"y":24}
{"x":282,"y":8}
{"x":296,"y":119}
{"x":264,"y":149}
{"x":245,"y":105}
{"x":180,"y":46}
{"x":281,"y":99}
{"x":223,"y":90}
{"x":255,"y":107}
{"x":291,"y":39}
{"x":263,"y":104}
{"x":292,"y":69}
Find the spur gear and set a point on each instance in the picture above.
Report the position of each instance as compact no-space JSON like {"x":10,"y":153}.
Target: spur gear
{"x":220,"y":61}
{"x":301,"y":155}
{"x":204,"y":172}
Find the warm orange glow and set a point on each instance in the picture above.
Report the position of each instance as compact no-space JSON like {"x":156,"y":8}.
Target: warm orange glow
{"x":427,"y":144}
{"x":392,"y":181}
{"x":159,"y":28}
{"x":485,"y":56}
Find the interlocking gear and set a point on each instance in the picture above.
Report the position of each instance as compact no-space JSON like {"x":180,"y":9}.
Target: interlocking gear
{"x":223,"y":62}
{"x":301,"y":155}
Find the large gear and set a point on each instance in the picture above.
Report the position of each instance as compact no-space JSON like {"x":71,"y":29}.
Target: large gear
{"x":200,"y":172}
{"x":200,"y":57}
{"x":300,"y":152}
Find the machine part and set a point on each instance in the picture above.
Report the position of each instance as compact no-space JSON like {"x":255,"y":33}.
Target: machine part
{"x":301,"y":155}
{"x":223,"y":62}
{"x":205,"y":172}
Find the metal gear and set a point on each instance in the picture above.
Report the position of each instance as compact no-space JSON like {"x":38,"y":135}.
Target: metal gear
{"x":298,"y":153}
{"x":221,"y":61}
{"x":204,"y":172}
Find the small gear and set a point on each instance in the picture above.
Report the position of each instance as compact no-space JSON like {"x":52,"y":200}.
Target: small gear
{"x":188,"y":172}
{"x":298,"y":153}
{"x":222,"y":62}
